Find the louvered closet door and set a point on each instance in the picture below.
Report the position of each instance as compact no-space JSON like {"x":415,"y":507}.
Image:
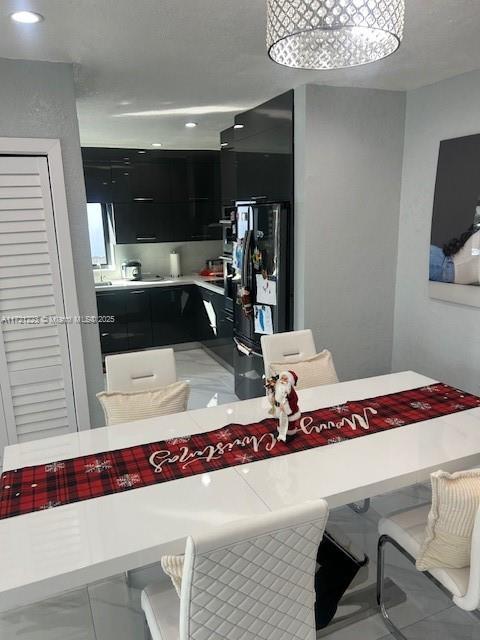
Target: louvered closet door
{"x":35,"y":375}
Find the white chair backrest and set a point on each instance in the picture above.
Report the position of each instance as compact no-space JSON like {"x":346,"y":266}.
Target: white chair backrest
{"x":288,"y":347}
{"x":254,"y":578}
{"x":141,"y":370}
{"x":471,"y":600}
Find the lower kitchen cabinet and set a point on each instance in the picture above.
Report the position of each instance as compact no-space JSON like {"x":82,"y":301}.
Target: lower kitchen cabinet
{"x":139,"y":325}
{"x":215,"y":326}
{"x":173,"y":315}
{"x":159,"y":316}
{"x":124,"y":320}
{"x":112,"y":321}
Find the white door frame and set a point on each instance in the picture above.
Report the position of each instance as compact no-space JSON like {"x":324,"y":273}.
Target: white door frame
{"x":51,"y":149}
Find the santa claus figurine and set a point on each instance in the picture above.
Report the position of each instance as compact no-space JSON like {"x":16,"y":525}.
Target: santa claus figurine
{"x":284,"y":402}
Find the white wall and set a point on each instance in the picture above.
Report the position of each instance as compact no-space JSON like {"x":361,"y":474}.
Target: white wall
{"x":348,"y":163}
{"x":37,"y":100}
{"x":436,"y":338}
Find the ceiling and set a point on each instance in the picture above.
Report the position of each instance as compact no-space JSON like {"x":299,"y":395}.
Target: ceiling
{"x":172,"y":56}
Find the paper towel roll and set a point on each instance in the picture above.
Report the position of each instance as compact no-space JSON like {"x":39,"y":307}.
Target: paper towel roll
{"x":175,"y":270}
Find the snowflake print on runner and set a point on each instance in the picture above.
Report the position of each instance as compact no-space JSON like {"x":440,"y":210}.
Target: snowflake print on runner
{"x":128,"y":480}
{"x":423,"y":406}
{"x":51,"y":504}
{"x":336,"y":439}
{"x":431,"y":388}
{"x":341,"y":408}
{"x":99,"y":466}
{"x":179,"y":440}
{"x":457,"y":407}
{"x":224,"y":434}
{"x":53,"y":467}
{"x":244,"y":458}
{"x":395,"y":422}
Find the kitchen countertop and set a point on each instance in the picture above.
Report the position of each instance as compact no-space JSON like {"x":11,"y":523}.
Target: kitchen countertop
{"x":200,"y":281}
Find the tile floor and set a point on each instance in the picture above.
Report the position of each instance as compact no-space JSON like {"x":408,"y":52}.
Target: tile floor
{"x":110,"y":610}
{"x":210,"y":383}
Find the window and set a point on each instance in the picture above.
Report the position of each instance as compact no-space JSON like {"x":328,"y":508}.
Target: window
{"x":101,"y":233}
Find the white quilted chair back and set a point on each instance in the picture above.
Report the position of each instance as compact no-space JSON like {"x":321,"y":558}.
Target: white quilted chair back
{"x":254,"y":579}
{"x":140,"y":370}
{"x":471,"y":600}
{"x":288,"y":347}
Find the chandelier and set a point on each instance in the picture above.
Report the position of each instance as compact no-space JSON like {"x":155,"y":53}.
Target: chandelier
{"x":333,"y":34}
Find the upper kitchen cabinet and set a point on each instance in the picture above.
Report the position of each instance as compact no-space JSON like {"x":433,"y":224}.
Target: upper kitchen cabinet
{"x":228,"y":167}
{"x":98,"y":182}
{"x":158,"y":196}
{"x":142,"y":182}
{"x":144,"y":222}
{"x":257,"y":155}
{"x":204,"y":177}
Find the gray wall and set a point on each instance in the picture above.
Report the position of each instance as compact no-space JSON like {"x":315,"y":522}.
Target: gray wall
{"x":37,"y":100}
{"x":348,"y":146}
{"x":436,"y":338}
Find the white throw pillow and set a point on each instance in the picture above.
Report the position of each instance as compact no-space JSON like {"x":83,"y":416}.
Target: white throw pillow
{"x":448,"y":535}
{"x":312,"y":372}
{"x":173,"y":567}
{"x":139,"y":405}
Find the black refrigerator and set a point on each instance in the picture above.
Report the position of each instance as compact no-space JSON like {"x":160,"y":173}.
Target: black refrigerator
{"x":262,"y":235}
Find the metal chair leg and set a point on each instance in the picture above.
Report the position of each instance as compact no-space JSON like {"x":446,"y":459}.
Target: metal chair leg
{"x":360,"y":509}
{"x":396,"y":633}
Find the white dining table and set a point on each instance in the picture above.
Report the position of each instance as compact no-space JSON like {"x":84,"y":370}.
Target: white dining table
{"x":48,"y":552}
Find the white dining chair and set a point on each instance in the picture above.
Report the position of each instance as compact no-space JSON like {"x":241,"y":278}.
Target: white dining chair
{"x":405,"y":531}
{"x":288,"y":347}
{"x":140,"y":370}
{"x":249,"y":580}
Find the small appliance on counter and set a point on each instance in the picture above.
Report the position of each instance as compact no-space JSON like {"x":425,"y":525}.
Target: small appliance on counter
{"x":213,"y":268}
{"x":131,"y":270}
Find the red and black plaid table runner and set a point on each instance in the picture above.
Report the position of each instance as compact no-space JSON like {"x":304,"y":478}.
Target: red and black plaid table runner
{"x":67,"y":481}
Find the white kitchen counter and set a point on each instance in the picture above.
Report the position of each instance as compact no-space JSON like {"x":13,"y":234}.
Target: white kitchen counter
{"x":200,"y":281}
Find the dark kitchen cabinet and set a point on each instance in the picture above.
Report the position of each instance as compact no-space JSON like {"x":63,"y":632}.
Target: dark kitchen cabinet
{"x":203,"y":178}
{"x":146,"y":222}
{"x":228,"y":167}
{"x":98,"y":183}
{"x":204,"y":220}
{"x":174,"y":314}
{"x":139,"y":324}
{"x":215,"y":327}
{"x":159,"y":316}
{"x":124,"y":320}
{"x":257,"y":159}
{"x":158,"y":196}
{"x":142,"y":182}
{"x":265,"y":166}
{"x":178,"y":168}
{"x":112,"y":316}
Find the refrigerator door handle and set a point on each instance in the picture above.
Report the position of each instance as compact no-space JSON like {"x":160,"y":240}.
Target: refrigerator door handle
{"x":247,"y":351}
{"x":246,"y":257}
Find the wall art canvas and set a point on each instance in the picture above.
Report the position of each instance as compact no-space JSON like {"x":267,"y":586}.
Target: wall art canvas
{"x":455,"y":233}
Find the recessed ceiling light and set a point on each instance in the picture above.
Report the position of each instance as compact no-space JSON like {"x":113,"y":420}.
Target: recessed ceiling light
{"x":238,"y":126}
{"x":26,"y":17}
{"x":191,"y":125}
{"x":156,"y":144}
{"x":141,"y":151}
